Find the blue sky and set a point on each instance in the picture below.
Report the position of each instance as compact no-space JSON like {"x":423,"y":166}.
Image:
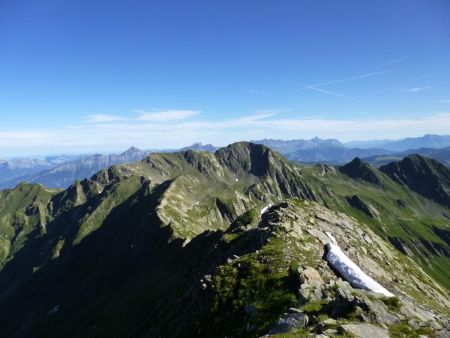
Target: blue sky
{"x":100,"y":75}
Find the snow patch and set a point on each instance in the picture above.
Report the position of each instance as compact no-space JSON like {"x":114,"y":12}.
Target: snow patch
{"x":264,"y":210}
{"x":351,"y":272}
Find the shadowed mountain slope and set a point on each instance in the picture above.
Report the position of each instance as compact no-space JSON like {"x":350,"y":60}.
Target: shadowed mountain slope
{"x":423,"y":175}
{"x":359,"y":169}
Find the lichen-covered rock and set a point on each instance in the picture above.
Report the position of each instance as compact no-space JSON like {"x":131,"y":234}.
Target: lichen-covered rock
{"x":364,"y":330}
{"x":310,"y":276}
{"x":343,"y":299}
{"x":311,"y":285}
{"x":378,"y":310}
{"x":289,"y":322}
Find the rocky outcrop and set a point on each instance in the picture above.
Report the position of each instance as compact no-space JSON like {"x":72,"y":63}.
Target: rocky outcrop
{"x":292,"y":320}
{"x":327,"y":170}
{"x":364,"y":330}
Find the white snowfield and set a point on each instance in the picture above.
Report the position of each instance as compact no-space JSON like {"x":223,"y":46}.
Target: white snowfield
{"x":351,"y":272}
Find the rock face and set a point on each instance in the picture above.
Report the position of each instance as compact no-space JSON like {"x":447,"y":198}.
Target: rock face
{"x":311,"y":285}
{"x":289,"y":322}
{"x":423,"y":175}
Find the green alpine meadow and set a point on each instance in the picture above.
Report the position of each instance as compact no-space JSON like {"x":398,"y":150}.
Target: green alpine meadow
{"x":228,"y":244}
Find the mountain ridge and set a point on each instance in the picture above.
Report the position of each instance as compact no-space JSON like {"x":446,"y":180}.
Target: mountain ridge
{"x":169,"y":242}
{"x":55,"y":171}
{"x":427,"y":141}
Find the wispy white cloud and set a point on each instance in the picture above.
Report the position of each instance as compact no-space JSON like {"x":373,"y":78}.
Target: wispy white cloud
{"x":102,"y":118}
{"x":119,"y":135}
{"x":166,"y":115}
{"x":259,"y":92}
{"x":355,"y":78}
{"x":329,"y":92}
{"x":416,"y":89}
{"x":23,"y":136}
{"x":444,"y":101}
{"x":390,"y":62}
{"x":318,"y":87}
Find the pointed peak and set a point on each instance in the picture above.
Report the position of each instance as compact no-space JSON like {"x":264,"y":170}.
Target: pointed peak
{"x":357,"y":164}
{"x":200,"y":147}
{"x":131,"y":150}
{"x":358,"y":161}
{"x":359,"y":169}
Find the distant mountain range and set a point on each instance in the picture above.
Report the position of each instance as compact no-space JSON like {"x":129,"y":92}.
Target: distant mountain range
{"x":61,"y":171}
{"x":426,"y":141}
{"x":59,"y":174}
{"x":442,"y":155}
{"x":292,"y":146}
{"x":18,"y":167}
{"x":332,"y":151}
{"x":317,"y":150}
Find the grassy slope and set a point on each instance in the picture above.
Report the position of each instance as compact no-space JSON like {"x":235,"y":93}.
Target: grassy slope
{"x":21,"y":210}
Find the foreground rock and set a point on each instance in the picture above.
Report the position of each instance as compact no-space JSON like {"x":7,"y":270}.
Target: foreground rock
{"x":364,"y":331}
{"x":290,"y":321}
